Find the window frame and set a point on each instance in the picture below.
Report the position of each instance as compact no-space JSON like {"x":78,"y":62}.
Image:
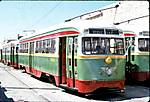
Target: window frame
{"x":105,"y":43}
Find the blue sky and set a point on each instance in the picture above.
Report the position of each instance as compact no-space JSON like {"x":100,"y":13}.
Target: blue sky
{"x":16,"y":16}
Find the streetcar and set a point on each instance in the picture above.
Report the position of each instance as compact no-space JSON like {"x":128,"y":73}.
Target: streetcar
{"x":9,"y":54}
{"x":79,"y":55}
{"x":6,"y":53}
{"x":137,"y":61}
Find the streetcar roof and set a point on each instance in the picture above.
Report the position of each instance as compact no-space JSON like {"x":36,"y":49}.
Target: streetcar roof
{"x":11,"y":43}
{"x":133,"y":29}
{"x":79,"y":25}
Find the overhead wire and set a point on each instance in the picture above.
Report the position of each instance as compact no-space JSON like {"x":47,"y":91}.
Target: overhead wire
{"x":46,"y":14}
{"x":116,"y":6}
{"x":130,"y":20}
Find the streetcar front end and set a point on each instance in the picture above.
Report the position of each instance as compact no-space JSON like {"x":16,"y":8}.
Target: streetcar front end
{"x":102,"y":61}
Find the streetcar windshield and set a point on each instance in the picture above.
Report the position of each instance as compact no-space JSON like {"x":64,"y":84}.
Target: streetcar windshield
{"x":97,"y":45}
{"x":143,"y":44}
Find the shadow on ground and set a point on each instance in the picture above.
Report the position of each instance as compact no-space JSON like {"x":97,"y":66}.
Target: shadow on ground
{"x":131,"y":92}
{"x":3,"y":97}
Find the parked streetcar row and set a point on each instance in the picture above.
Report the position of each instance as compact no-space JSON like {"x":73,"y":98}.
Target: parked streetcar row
{"x":82,"y":56}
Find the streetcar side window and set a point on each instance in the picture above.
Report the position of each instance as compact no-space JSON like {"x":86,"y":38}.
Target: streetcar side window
{"x":53,"y":45}
{"x":76,"y":45}
{"x":143,"y":44}
{"x":38,"y":46}
{"x":24,"y":48}
{"x":46,"y":46}
{"x":7,"y":50}
{"x":86,"y":48}
{"x":119,"y":48}
{"x":36,"y":49}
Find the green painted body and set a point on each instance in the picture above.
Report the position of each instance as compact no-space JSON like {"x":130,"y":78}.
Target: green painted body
{"x":6,"y":57}
{"x":23,"y":59}
{"x":87,"y":69}
{"x":93,"y":69}
{"x":141,"y":62}
{"x":44,"y":64}
{"x":3,"y":56}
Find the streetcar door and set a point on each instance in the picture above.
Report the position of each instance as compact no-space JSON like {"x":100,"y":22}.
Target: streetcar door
{"x":31,"y":52}
{"x":62,"y":60}
{"x":11,"y":55}
{"x":130,"y":48}
{"x":71,"y":60}
{"x":13,"y":48}
{"x":17,"y":48}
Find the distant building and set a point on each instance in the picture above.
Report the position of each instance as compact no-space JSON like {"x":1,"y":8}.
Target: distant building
{"x":128,"y":15}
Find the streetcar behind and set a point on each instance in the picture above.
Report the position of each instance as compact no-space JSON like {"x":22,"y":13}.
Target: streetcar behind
{"x":137,"y":66}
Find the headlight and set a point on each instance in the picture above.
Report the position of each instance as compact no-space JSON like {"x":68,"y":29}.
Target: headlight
{"x":108,"y":60}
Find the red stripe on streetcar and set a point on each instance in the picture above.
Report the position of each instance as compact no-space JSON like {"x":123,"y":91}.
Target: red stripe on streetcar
{"x":52,"y":35}
{"x":128,"y":34}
